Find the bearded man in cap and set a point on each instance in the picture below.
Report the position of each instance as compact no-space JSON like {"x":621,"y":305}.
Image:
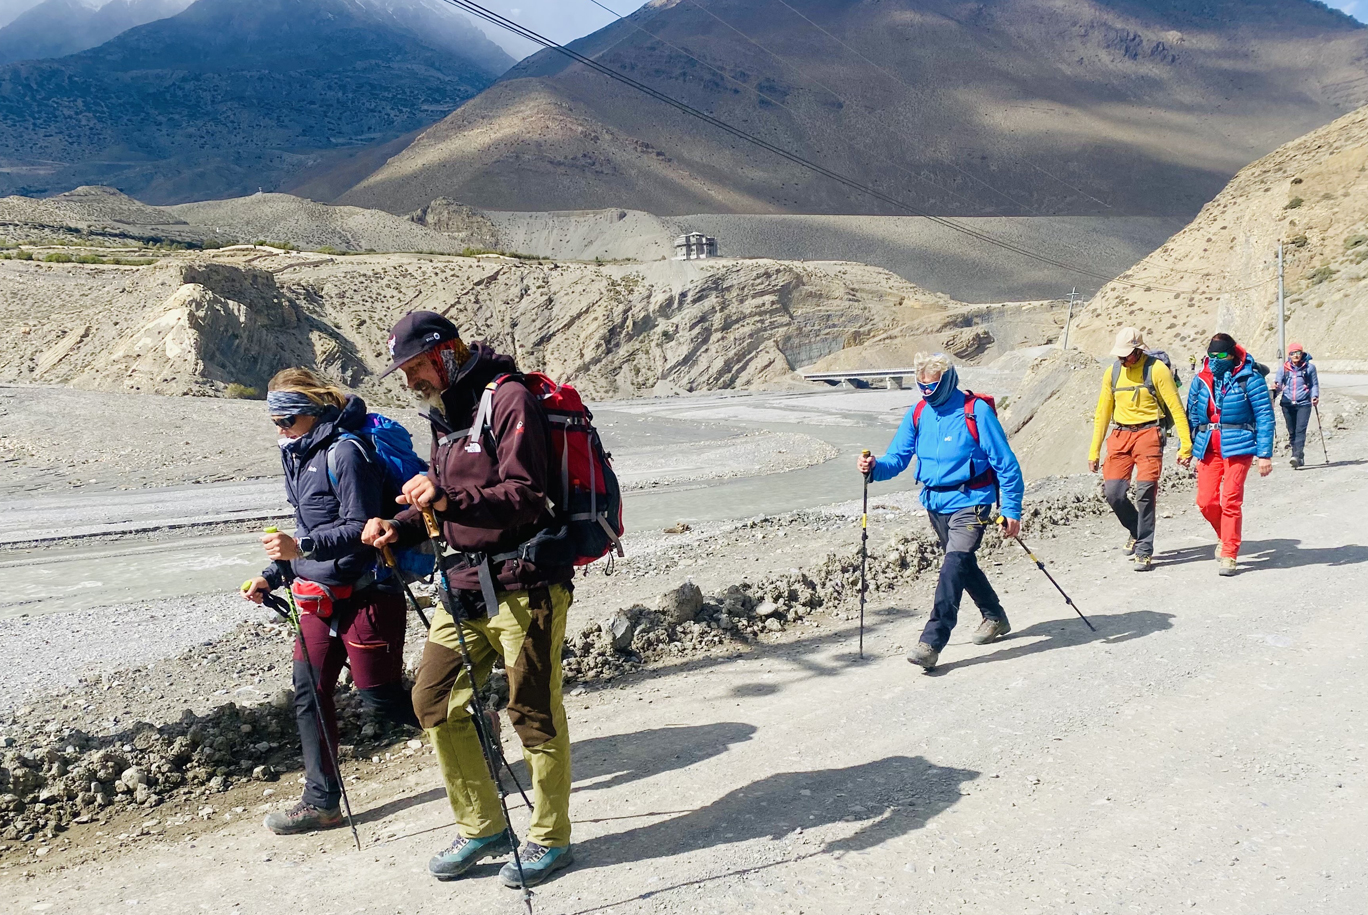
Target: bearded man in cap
{"x":1138,"y":392}
{"x":488,"y":487}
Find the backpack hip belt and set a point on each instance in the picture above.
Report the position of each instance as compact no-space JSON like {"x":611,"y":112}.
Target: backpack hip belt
{"x":1152,"y":424}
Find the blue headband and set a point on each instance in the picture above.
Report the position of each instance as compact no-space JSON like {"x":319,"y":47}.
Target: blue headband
{"x":290,"y":403}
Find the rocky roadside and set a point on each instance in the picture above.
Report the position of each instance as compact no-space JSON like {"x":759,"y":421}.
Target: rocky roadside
{"x":179,"y":741}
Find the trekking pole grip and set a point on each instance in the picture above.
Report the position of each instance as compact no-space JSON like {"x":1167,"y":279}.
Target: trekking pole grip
{"x":388,"y":556}
{"x":430,"y":519}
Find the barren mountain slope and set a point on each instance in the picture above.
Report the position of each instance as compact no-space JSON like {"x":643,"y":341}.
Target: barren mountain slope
{"x":1221,"y":273}
{"x":195,"y":323}
{"x":233,"y":95}
{"x":1021,"y":107}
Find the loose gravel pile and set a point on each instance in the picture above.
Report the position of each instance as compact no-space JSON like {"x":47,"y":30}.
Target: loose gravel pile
{"x":55,"y":772}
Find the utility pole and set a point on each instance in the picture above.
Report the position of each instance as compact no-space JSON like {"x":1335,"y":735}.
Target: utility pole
{"x":1282,"y":309}
{"x":1073,"y":296}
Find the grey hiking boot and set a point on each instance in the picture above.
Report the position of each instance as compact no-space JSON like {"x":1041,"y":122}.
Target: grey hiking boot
{"x":1227,"y":567}
{"x":1129,"y":548}
{"x":538,"y":863}
{"x":923,"y":656}
{"x":463,"y":854}
{"x":1296,"y":463}
{"x":990,"y":631}
{"x":1144,"y":563}
{"x":302,"y":818}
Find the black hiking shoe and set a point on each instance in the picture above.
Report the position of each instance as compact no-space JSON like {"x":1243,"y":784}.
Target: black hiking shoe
{"x":990,"y":631}
{"x":923,"y":656}
{"x":1296,"y":463}
{"x":303,"y":818}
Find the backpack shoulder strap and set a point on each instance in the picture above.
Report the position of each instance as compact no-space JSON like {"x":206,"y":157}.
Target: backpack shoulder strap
{"x":1117,"y":368}
{"x":332,"y":455}
{"x":916,"y":415}
{"x":970,"y":420}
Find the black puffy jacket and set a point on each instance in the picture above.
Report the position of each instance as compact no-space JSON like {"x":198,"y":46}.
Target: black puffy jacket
{"x":333,"y":516}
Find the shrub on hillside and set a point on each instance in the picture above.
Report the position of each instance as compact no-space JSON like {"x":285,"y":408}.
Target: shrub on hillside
{"x":1293,"y":203}
{"x":1322,"y":275}
{"x":58,"y":257}
{"x":242,"y":392}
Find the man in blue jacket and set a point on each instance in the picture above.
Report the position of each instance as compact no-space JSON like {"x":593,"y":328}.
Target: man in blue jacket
{"x":1231,"y":416}
{"x":963,"y":463}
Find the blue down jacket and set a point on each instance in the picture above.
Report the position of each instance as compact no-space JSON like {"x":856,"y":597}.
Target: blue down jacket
{"x":1238,"y":404}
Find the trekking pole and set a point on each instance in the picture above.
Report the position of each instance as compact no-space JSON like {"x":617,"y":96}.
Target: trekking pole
{"x":1321,"y":429}
{"x":493,"y":753}
{"x":1041,"y":566}
{"x":864,"y":554}
{"x":388,"y":555}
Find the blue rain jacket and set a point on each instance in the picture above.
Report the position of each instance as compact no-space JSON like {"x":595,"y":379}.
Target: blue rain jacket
{"x":947,"y":456}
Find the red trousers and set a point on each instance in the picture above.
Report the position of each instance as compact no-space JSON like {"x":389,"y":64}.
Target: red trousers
{"x":1220,"y":496}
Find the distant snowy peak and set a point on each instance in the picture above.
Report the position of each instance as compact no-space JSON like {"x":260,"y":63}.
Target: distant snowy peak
{"x":56,"y":28}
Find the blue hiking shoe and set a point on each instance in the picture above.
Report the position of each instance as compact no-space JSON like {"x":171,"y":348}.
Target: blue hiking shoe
{"x":463,"y":854}
{"x":538,"y":863}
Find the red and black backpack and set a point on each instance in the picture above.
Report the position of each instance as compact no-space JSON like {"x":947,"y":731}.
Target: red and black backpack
{"x":588,"y":503}
{"x":984,"y":478}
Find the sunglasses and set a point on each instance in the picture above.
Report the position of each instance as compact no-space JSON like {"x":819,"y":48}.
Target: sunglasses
{"x":284,"y":422}
{"x":1220,"y":355}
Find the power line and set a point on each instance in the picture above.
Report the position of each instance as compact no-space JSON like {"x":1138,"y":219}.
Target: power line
{"x":510,"y":25}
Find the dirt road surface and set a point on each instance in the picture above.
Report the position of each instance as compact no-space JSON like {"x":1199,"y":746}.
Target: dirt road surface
{"x":1202,"y":752}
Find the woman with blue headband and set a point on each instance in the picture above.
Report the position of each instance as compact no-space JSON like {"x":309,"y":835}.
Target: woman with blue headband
{"x":334,"y":484}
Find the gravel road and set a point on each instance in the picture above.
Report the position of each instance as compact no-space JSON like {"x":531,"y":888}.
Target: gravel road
{"x":1202,"y":752}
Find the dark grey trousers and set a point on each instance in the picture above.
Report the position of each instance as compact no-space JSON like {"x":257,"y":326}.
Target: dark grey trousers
{"x":960,"y":534}
{"x":1139,"y":516}
{"x":1297,"y":417}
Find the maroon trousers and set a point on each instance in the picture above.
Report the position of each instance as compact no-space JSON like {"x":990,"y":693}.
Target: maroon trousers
{"x":367,"y":629}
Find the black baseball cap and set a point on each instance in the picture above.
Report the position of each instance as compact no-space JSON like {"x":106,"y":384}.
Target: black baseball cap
{"x":416,"y":333}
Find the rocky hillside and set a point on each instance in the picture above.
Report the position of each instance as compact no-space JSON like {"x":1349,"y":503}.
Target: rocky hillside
{"x":1013,"y":108}
{"x":1220,"y":272}
{"x":231,"y":96}
{"x":193,"y":324}
{"x":55,"y":28}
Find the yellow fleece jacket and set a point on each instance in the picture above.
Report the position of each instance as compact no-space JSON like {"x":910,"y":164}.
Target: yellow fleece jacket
{"x":1135,"y":407}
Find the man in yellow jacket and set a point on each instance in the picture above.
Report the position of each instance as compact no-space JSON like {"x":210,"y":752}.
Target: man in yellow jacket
{"x":1138,"y":394}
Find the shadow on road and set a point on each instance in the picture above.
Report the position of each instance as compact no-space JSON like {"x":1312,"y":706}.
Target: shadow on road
{"x":1322,"y":466}
{"x":880,"y":800}
{"x":398,"y":805}
{"x":1282,"y":553}
{"x":1068,"y":632}
{"x":630,"y":757}
{"x":1289,"y":554}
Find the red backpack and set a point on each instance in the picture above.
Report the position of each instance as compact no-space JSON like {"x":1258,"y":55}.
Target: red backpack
{"x":989,"y":476}
{"x":588,"y":505}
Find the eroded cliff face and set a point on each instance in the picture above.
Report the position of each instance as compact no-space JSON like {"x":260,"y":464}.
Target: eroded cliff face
{"x":196,"y":324}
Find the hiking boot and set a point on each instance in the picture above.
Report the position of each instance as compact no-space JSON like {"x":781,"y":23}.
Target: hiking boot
{"x":924,"y":656}
{"x":1227,"y":568}
{"x":1144,"y":563}
{"x":991,"y":631}
{"x":463,"y":854}
{"x":1296,"y":462}
{"x":538,"y":863}
{"x":302,"y":818}
{"x":1129,"y":548}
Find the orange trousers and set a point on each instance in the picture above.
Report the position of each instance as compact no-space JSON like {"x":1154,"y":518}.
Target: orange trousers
{"x":1220,"y":496}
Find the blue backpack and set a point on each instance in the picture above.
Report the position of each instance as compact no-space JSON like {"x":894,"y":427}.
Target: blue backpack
{"x":389,"y":445}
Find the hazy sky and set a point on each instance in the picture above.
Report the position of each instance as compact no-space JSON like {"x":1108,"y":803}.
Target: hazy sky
{"x":566,"y":20}
{"x":559,"y":20}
